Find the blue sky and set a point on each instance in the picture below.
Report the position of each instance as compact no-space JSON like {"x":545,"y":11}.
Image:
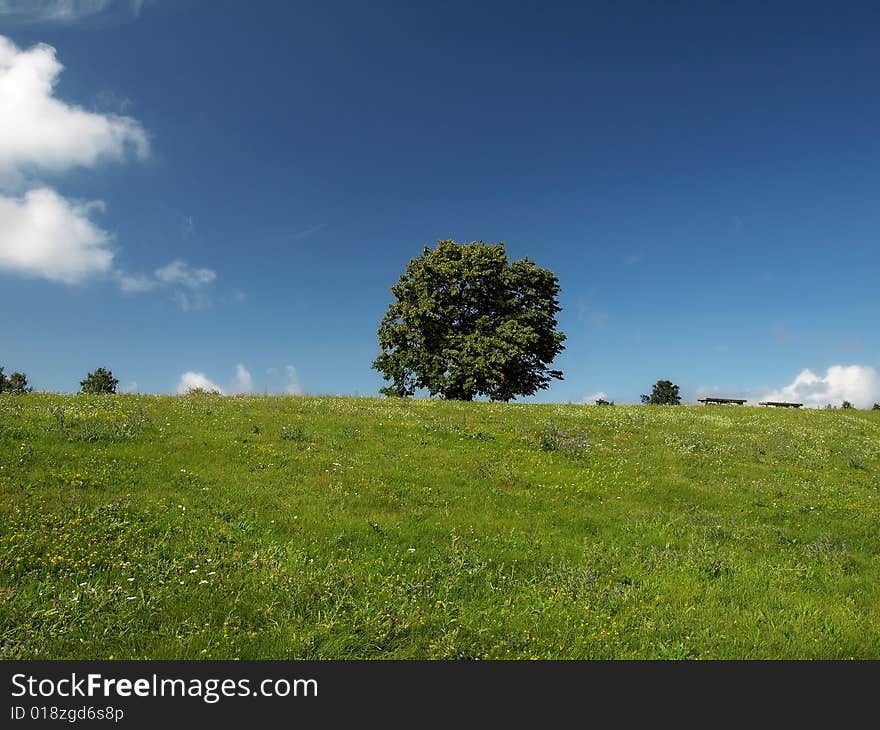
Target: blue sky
{"x":229,"y":189}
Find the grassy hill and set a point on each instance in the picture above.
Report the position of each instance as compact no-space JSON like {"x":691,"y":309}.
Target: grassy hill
{"x":268,"y":527}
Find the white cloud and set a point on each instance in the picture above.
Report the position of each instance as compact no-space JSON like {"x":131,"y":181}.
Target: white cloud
{"x":66,"y":11}
{"x":596,"y":396}
{"x":44,"y":235}
{"x":192,"y":301}
{"x":293,"y":387}
{"x":130,"y":388}
{"x":191,"y":380}
{"x":39,"y":132}
{"x":178,"y":272}
{"x":135,"y":283}
{"x":597,"y":318}
{"x":243,"y":382}
{"x":858,"y":384}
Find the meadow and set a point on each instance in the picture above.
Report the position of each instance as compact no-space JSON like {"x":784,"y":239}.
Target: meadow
{"x":161,"y":527}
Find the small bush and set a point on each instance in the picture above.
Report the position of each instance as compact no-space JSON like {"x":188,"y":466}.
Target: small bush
{"x":196,"y":392}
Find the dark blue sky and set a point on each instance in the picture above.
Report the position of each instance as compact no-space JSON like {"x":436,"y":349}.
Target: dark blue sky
{"x":703,"y":177}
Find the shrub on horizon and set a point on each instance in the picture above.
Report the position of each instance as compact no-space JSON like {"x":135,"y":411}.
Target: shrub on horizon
{"x":100,"y":381}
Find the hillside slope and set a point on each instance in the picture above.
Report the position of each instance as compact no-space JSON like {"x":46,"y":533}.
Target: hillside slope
{"x":302,"y":527}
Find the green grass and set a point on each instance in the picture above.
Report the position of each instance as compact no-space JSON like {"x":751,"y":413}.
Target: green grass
{"x":267,"y":527}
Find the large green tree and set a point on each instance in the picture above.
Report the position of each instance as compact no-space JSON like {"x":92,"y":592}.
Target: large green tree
{"x":468,"y":322}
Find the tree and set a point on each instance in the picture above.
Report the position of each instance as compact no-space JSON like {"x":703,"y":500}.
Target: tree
{"x":17,"y":383}
{"x":846,"y":405}
{"x":14,"y":383}
{"x":467,"y":322}
{"x":603,"y":402}
{"x":100,"y":381}
{"x":876,"y":407}
{"x":665,"y":393}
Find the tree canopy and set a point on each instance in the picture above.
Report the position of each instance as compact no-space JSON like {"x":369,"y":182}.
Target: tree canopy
{"x":14,"y":383}
{"x":100,"y":381}
{"x":664,"y":393}
{"x":468,"y":322}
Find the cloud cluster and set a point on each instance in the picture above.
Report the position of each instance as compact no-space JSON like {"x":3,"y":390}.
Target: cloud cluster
{"x":242,"y":383}
{"x":859,"y":384}
{"x":42,"y":233}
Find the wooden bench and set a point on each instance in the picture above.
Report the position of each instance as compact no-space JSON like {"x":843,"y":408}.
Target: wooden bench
{"x":721,"y":401}
{"x":779,"y":404}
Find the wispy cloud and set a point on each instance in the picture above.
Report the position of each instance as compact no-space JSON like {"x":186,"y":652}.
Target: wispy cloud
{"x":243,"y":382}
{"x":188,"y":281}
{"x":596,"y":318}
{"x":61,"y":12}
{"x":781,"y":334}
{"x":293,"y":386}
{"x":178,"y":272}
{"x":191,"y":301}
{"x":187,"y":226}
{"x":305,"y":233}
